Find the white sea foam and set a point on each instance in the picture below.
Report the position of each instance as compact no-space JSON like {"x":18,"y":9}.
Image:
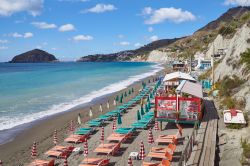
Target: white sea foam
{"x":16,"y":121}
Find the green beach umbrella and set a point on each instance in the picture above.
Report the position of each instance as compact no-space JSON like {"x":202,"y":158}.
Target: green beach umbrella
{"x":148,"y":99}
{"x":119,"y":119}
{"x":142,"y":111}
{"x":151,"y":95}
{"x":132,"y":90}
{"x":117,"y":98}
{"x":149,"y":81}
{"x":125,"y":94}
{"x":138,"y":115}
{"x":121,"y":98}
{"x":149,"y":106}
{"x":129,"y":92}
{"x":146,"y":108}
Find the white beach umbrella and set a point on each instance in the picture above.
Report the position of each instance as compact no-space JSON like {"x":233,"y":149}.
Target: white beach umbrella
{"x":114,"y":102}
{"x":90,"y":112}
{"x":79,"y":119}
{"x":100,"y":108}
{"x":108,"y":105}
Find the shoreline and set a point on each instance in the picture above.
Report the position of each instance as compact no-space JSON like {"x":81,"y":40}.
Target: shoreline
{"x":42,"y":132}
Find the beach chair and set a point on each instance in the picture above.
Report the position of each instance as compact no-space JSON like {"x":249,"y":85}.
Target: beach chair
{"x":125,"y":130}
{"x":170,"y":148}
{"x":165,"y":162}
{"x":161,"y":155}
{"x":94,"y":124}
{"x":105,"y":117}
{"x":84,"y":131}
{"x":76,"y":138}
{"x":94,"y":162}
{"x":140,"y":125}
{"x":38,"y":162}
{"x":111,"y":113}
{"x":59,"y":151}
{"x":110,"y":148}
{"x":119,"y":137}
{"x":161,"y":139}
{"x":144,"y":163}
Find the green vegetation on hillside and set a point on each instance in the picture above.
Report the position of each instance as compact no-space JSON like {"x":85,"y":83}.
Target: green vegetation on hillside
{"x":246,"y":151}
{"x":245,"y":59}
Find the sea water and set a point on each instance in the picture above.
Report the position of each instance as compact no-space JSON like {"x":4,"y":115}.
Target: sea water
{"x":29,"y":92}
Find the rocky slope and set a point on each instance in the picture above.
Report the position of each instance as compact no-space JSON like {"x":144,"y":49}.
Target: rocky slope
{"x":34,"y":56}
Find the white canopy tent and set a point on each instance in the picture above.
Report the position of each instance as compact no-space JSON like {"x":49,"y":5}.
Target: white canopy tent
{"x":178,"y":75}
{"x":191,"y":88}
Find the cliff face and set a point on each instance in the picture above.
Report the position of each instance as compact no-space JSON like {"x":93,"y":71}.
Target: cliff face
{"x":34,"y":56}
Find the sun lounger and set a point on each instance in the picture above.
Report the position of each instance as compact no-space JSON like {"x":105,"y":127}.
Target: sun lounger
{"x":161,"y":155}
{"x":111,"y":113}
{"x":149,"y":164}
{"x":94,"y":162}
{"x":110,"y":148}
{"x":170,"y":148}
{"x":140,"y":125}
{"x":84,"y":131}
{"x":76,"y":138}
{"x":124,"y":130}
{"x":94,"y":124}
{"x":118,"y":137}
{"x":59,"y":151}
{"x":105,"y":117}
{"x":172,"y":140}
{"x":38,"y":162}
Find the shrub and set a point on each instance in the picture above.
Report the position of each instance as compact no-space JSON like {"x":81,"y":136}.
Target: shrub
{"x":245,"y":59}
{"x":246,"y":148}
{"x":226,"y":30}
{"x":245,"y":17}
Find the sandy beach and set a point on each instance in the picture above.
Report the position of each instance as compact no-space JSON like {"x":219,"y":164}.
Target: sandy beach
{"x":17,"y":152}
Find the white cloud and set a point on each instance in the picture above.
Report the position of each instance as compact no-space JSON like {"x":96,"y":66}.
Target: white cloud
{"x":147,"y":11}
{"x":150,"y":29}
{"x":82,"y":38}
{"x":28,"y":35}
{"x":16,"y":35}
{"x":120,"y":36}
{"x":237,"y":2}
{"x":39,"y":47}
{"x":66,"y":27}
{"x":170,"y":14}
{"x":73,"y":0}
{"x":54,"y":48}
{"x":19,"y":35}
{"x":9,"y":7}
{"x":124,"y":43}
{"x":3,"y":48}
{"x":44,"y":25}
{"x":3,"y":41}
{"x":100,"y":8}
{"x":153,"y":38}
{"x":138,"y":45}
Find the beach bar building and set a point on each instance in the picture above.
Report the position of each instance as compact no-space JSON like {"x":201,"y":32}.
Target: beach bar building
{"x":185,"y":107}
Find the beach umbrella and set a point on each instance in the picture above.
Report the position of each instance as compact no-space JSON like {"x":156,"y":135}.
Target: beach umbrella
{"x":33,"y":150}
{"x":79,"y":119}
{"x":121,"y":98}
{"x":1,"y":163}
{"x":141,"y":102}
{"x":114,"y":124}
{"x":132,"y":90}
{"x":100,"y":108}
{"x":85,"y":151}
{"x":138,"y":115}
{"x":117,"y":98}
{"x":102,"y":135}
{"x":65,"y":163}
{"x":151,"y":95}
{"x":108,"y":105}
{"x":142,"y":151}
{"x":114,"y":103}
{"x":148,"y":99}
{"x":149,"y":81}
{"x":149,"y":106}
{"x":150,"y":136}
{"x":129,"y":92}
{"x":125,"y":94}
{"x":146,"y":108}
{"x":71,"y":126}
{"x":142,"y":111}
{"x":156,"y":127}
{"x":55,"y":141}
{"x":130,"y":161}
{"x":119,"y":119}
{"x":90,"y":112}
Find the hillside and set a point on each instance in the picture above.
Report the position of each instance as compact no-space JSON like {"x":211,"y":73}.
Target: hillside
{"x":163,"y":50}
{"x":34,"y":56}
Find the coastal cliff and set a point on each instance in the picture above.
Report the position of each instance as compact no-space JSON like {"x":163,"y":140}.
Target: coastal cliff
{"x":34,"y":56}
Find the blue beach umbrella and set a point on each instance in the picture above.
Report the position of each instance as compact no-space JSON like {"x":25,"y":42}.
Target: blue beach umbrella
{"x":119,"y":119}
{"x":117,"y":98}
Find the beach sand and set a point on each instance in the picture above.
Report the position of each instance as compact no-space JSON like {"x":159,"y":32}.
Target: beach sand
{"x":18,"y":151}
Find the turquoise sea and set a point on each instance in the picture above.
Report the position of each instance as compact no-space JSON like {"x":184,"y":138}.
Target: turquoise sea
{"x":29,"y":92}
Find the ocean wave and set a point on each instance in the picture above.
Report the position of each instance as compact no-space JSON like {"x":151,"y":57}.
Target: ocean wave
{"x":10,"y":122}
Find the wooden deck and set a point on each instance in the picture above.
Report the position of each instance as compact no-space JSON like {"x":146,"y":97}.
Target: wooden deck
{"x":203,"y":153}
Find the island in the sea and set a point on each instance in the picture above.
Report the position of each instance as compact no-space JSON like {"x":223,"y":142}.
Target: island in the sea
{"x":34,"y":56}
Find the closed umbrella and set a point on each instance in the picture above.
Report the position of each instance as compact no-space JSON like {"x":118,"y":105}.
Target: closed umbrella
{"x":79,"y":119}
{"x":138,"y":115}
{"x":150,"y":136}
{"x":156,"y":127}
{"x":1,"y":163}
{"x":132,"y":90}
{"x":85,"y":151}
{"x":121,"y":98}
{"x":129,"y":92}
{"x":65,"y":163}
{"x":119,"y":119}
{"x":125,"y":94}
{"x":114,"y":103}
{"x":142,"y":151}
{"x":100,"y":108}
{"x":114,"y":124}
{"x":130,"y":161}
{"x":146,"y":108}
{"x":71,"y":126}
{"x":102,"y":135}
{"x":90,"y":112}
{"x":55,"y":141}
{"x":117,"y":98}
{"x":149,"y":105}
{"x":108,"y":105}
{"x":33,"y":150}
{"x":142,"y":111}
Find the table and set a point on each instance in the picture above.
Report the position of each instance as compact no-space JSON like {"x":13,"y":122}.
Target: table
{"x":134,"y":155}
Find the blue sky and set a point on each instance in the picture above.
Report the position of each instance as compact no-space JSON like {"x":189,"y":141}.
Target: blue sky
{"x":70,"y":29}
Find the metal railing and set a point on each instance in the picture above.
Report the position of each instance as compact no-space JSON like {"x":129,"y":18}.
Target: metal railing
{"x":186,"y":153}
